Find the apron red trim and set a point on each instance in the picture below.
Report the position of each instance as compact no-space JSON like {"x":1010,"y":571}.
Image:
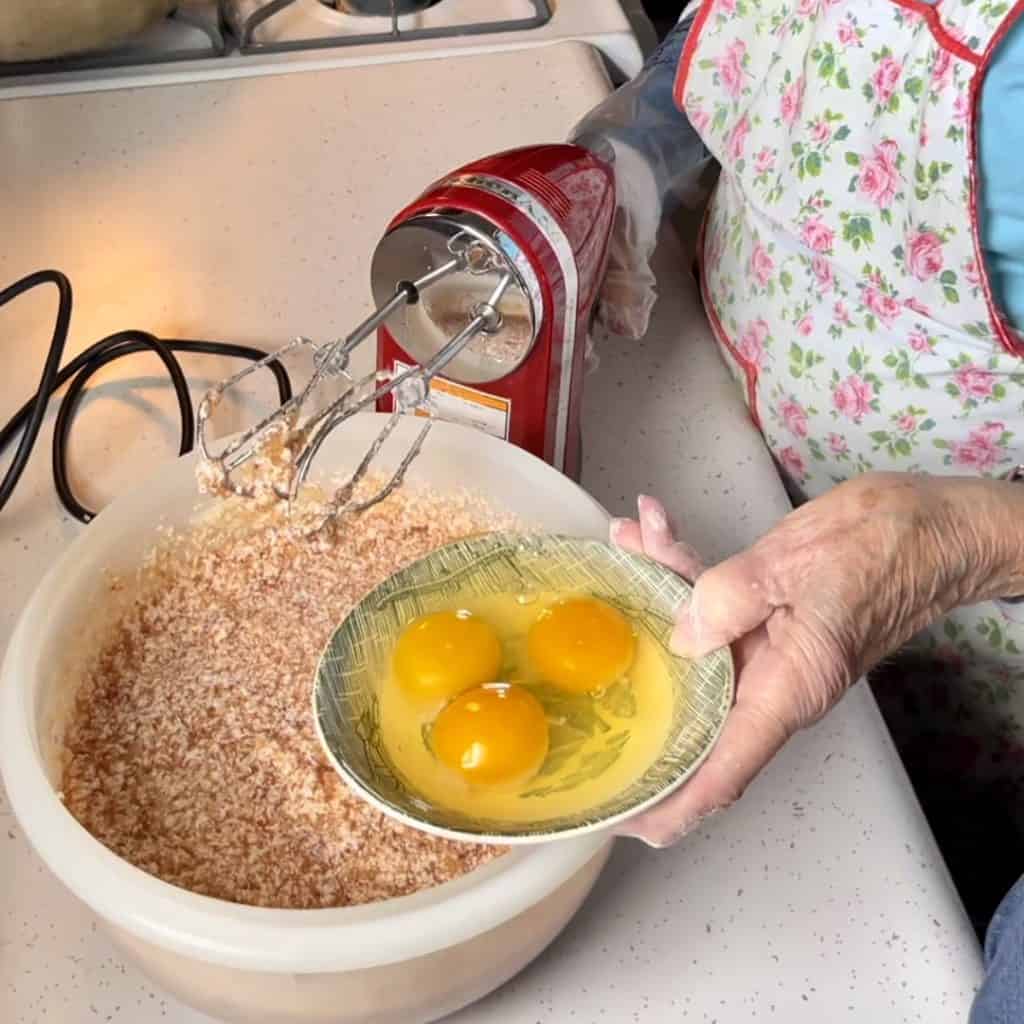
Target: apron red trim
{"x":683,"y":71}
{"x":1004,"y":331}
{"x":930,"y":13}
{"x":749,"y":369}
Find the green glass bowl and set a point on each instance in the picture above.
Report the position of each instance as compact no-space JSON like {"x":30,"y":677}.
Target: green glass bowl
{"x":346,"y":703}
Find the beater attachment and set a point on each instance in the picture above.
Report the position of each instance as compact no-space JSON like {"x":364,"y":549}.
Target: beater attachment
{"x":281,"y":447}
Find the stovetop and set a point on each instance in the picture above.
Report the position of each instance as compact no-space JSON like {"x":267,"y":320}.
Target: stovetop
{"x":217,"y":39}
{"x":200,"y":29}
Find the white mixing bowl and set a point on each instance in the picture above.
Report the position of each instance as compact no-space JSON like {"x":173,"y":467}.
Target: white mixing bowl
{"x":401,"y":961}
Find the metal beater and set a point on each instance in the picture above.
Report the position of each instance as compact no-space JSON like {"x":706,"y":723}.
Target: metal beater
{"x":303,"y":431}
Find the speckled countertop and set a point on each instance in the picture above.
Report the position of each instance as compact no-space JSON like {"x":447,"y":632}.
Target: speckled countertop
{"x":247,"y":210}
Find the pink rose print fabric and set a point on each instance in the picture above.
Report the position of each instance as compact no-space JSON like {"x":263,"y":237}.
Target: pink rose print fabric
{"x":924,"y":254}
{"x":842,"y":269}
{"x":879,"y":178}
{"x":841,"y":257}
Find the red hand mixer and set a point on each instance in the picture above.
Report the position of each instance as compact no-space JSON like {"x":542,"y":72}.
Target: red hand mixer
{"x":485,"y":287}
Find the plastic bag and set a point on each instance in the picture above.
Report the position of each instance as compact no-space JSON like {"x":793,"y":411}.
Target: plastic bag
{"x":660,"y":164}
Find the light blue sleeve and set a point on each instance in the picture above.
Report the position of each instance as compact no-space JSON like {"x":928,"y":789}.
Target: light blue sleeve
{"x":1001,"y":171}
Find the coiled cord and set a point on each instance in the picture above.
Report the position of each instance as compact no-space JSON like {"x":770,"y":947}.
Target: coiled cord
{"x":28,"y":420}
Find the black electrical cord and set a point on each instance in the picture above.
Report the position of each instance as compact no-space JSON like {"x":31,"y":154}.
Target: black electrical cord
{"x":28,"y":420}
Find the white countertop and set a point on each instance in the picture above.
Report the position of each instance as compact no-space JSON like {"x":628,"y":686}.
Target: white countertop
{"x":821,"y":896}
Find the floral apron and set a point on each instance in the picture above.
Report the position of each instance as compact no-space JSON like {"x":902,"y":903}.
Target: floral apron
{"x":843,"y":276}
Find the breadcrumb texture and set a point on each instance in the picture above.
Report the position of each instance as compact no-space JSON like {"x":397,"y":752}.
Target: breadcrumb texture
{"x":191,"y":750}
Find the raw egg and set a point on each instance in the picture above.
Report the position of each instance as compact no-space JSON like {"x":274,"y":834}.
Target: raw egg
{"x":554,"y":730}
{"x":581,"y":645}
{"x":494,"y":734}
{"x":441,"y":655}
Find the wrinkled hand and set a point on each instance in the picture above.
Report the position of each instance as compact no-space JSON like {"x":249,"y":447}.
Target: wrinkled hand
{"x":836,"y":586}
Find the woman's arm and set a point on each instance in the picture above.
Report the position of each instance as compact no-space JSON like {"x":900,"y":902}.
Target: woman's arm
{"x":660,"y":162}
{"x":838,"y":585}
{"x":643,"y":116}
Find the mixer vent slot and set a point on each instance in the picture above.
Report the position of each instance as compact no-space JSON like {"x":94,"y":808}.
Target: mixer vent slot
{"x":547,"y":192}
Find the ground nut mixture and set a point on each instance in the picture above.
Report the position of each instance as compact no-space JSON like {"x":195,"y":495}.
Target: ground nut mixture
{"x":192,"y":752}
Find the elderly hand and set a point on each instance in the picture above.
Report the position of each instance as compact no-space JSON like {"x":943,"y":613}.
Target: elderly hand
{"x":836,"y":586}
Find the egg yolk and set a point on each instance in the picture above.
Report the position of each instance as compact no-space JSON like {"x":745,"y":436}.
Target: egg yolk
{"x":443,"y":654}
{"x":494,"y":734}
{"x":581,"y":645}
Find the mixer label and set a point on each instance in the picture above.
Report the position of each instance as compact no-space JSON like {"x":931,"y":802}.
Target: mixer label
{"x":468,"y":406}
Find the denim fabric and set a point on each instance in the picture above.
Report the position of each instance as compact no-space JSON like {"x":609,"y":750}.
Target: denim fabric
{"x":1001,"y":998}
